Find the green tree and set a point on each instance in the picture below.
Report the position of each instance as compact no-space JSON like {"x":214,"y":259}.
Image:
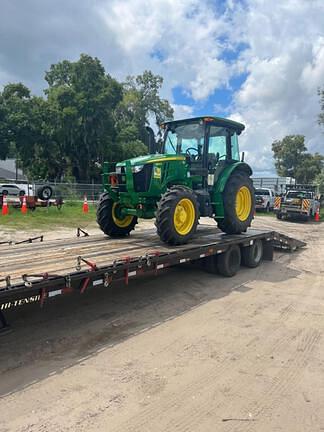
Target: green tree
{"x":319,"y":180}
{"x":293,"y":160}
{"x":82,"y":100}
{"x":141,"y":104}
{"x":321,"y":115}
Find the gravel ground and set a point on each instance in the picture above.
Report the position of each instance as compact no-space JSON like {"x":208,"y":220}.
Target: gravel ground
{"x":185,"y":351}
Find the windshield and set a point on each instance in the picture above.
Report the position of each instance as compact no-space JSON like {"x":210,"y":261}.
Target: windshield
{"x":299,"y":195}
{"x":262,"y":192}
{"x":180,"y":138}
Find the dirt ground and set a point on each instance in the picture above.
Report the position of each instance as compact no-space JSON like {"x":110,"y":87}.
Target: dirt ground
{"x":185,"y":351}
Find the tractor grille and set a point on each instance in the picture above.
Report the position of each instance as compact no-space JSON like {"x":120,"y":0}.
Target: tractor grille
{"x":142,"y":179}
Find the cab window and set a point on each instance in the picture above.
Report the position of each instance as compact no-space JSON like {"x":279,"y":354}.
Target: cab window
{"x":217,"y":141}
{"x":235,"y":147}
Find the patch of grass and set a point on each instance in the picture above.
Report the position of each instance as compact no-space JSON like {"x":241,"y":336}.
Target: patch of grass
{"x":322,"y":213}
{"x":70,"y":215}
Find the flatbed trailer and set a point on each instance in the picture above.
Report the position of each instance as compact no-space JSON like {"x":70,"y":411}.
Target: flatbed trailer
{"x":36,"y":272}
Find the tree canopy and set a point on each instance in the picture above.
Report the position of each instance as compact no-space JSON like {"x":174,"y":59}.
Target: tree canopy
{"x":293,"y":160}
{"x":84,"y":118}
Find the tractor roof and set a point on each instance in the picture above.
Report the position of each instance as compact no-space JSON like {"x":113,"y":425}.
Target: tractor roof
{"x":218,"y":121}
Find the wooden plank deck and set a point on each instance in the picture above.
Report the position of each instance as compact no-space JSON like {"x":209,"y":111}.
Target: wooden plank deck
{"x":60,"y":256}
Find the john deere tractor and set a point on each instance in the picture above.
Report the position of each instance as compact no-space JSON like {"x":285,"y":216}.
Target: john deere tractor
{"x":194,"y":171}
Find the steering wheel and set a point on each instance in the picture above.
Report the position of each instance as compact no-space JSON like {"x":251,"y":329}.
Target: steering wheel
{"x":194,"y":157}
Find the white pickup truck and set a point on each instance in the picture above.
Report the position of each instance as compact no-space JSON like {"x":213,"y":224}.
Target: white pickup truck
{"x":264,"y":199}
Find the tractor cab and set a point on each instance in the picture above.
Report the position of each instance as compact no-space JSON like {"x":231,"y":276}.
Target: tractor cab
{"x":209,"y":144}
{"x":202,"y":136}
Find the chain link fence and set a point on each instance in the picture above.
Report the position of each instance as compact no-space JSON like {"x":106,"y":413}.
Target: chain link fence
{"x":74,"y":191}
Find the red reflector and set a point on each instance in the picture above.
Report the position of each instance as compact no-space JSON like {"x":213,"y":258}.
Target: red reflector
{"x":113,"y":180}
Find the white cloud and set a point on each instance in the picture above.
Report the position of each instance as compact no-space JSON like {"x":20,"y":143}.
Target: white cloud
{"x":184,"y":34}
{"x":182,"y":111}
{"x":184,"y":41}
{"x":285,"y":65}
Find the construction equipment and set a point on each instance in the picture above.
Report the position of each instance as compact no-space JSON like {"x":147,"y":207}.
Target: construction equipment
{"x":194,"y":171}
{"x":299,"y":201}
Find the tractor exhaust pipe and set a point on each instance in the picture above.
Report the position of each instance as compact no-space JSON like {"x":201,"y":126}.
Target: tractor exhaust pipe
{"x":151,"y":140}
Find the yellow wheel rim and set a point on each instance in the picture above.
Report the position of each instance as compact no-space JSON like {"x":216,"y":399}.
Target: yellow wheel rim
{"x":184,"y":216}
{"x":243,"y":203}
{"x":121,"y":223}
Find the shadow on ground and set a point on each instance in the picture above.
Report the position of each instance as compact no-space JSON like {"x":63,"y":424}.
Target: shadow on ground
{"x":71,"y":328}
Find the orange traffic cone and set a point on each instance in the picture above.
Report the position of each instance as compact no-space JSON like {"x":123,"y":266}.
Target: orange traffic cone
{"x":5,"y":209}
{"x":317,"y":215}
{"x":85,"y":207}
{"x":24,"y":205}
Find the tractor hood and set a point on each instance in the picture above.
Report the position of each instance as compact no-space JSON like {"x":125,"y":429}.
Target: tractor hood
{"x":155,"y":158}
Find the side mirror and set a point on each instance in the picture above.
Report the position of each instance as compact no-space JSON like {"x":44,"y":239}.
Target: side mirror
{"x":151,"y":140}
{"x":242,"y":157}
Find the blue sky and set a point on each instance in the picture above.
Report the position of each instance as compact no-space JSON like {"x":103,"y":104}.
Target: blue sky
{"x":254,"y":61}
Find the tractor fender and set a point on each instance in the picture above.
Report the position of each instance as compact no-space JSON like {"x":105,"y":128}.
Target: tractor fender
{"x":217,"y":200}
{"x":226,"y":173}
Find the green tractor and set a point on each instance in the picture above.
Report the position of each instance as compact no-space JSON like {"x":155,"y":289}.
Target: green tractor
{"x":194,"y":171}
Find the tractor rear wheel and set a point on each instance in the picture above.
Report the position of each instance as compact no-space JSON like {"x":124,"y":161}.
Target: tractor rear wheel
{"x":239,"y":204}
{"x":109,"y":219}
{"x":177,"y":215}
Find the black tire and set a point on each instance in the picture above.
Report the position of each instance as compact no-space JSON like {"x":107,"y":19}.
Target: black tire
{"x":45,"y":193}
{"x":105,"y":218}
{"x":21,"y":193}
{"x":231,"y":224}
{"x":164,"y":222}
{"x":228,"y":263}
{"x":252,"y":255}
{"x":268,"y":208}
{"x":278,"y":215}
{"x":5,"y":192}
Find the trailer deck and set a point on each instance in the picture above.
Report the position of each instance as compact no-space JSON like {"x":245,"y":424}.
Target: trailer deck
{"x":38,"y":271}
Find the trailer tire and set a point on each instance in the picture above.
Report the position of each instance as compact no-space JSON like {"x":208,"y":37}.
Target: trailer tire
{"x":45,"y":192}
{"x":252,"y":255}
{"x":177,"y":215}
{"x":108,"y":221}
{"x":228,"y":263}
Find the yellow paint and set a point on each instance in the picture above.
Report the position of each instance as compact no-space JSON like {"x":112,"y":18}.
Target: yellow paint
{"x":121,"y":223}
{"x":157,"y":172}
{"x":243,"y":203}
{"x":167,"y":159}
{"x":184,"y":216}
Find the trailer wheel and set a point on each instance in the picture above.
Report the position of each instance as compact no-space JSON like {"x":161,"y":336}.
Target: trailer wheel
{"x":45,"y":193}
{"x":109,"y":220}
{"x":228,"y":263}
{"x":252,"y":255}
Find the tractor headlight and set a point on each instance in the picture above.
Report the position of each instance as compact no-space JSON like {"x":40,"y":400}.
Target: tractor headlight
{"x":118,"y":169}
{"x":137,"y":168}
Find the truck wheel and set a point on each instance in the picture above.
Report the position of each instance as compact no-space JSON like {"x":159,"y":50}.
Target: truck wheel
{"x":109,"y":220}
{"x":177,"y":215}
{"x":268,"y":208}
{"x":278,"y":215}
{"x":239,"y":204}
{"x":228,"y":263}
{"x":45,"y":193}
{"x":252,"y":255}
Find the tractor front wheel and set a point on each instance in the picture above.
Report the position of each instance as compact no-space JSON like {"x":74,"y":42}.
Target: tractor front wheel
{"x":177,"y":215}
{"x":239,"y":204}
{"x":109,"y":219}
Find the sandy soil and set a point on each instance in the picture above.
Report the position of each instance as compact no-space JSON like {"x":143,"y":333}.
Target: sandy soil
{"x":187,"y":351}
